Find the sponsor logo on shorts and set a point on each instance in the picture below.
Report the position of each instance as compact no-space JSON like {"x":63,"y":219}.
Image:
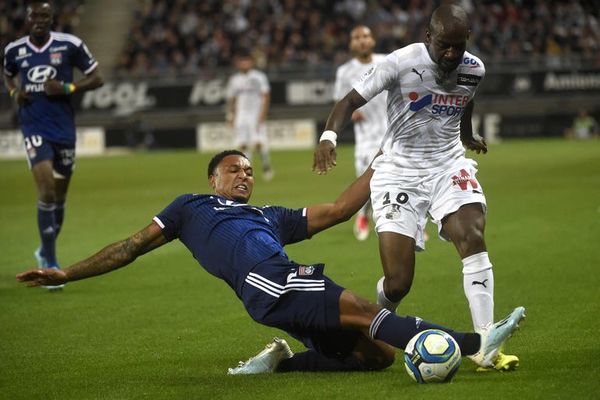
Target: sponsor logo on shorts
{"x":392,"y":211}
{"x":464,"y":180}
{"x":305,"y":270}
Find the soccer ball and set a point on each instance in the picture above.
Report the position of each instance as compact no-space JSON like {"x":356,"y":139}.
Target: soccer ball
{"x":432,"y":356}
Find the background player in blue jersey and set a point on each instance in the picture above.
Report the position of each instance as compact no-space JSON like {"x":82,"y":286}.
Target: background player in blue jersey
{"x":38,"y":72}
{"x":243,"y":245}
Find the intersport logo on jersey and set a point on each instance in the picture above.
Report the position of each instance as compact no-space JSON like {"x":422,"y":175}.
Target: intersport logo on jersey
{"x":443,"y":104}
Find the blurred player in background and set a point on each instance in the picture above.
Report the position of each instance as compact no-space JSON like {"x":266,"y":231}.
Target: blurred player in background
{"x":38,"y":72}
{"x":370,"y":120}
{"x":423,"y":169}
{"x":248,"y":101}
{"x":342,"y":331}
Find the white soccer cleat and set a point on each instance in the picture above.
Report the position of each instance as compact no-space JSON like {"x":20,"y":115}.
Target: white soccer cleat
{"x":493,"y":338}
{"x":266,"y":361}
{"x":41,"y":260}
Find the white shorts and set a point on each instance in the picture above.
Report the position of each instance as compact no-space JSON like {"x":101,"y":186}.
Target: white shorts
{"x":250,"y":133}
{"x":401,"y":203}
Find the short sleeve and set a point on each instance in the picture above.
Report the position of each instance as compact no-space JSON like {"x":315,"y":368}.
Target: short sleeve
{"x":291,"y":224}
{"x":264,"y":84}
{"x":84,"y":60}
{"x":170,"y":219}
{"x":378,"y":78}
{"x":10,"y":67}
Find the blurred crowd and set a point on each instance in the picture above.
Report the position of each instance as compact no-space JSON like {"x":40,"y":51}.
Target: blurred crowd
{"x":13,"y":12}
{"x":174,"y":37}
{"x":186,"y":36}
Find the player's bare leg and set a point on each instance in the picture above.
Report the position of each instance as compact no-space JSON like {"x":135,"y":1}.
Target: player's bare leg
{"x":397,"y":254}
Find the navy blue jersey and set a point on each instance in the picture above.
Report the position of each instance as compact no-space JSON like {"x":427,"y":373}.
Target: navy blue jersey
{"x":52,"y":117}
{"x":229,"y":238}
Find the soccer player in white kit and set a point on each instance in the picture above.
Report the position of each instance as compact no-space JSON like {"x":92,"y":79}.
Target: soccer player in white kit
{"x":422,"y":169}
{"x":248,"y":101}
{"x":370,"y":121}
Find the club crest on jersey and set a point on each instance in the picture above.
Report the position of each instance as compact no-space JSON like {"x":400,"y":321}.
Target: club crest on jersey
{"x":306,"y":270}
{"x":56,"y":58}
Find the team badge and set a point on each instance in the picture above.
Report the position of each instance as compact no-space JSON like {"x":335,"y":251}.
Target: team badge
{"x":392,"y":211}
{"x":56,"y":58}
{"x":305,"y":270}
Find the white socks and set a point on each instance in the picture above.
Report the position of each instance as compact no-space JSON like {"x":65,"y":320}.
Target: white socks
{"x":382,"y":300}
{"x":478,"y":283}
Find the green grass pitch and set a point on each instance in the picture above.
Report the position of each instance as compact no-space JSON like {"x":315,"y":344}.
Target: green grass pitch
{"x":162,"y":328}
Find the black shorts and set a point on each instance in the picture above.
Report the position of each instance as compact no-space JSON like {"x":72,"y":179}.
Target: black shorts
{"x":62,"y":155}
{"x":302,"y":301}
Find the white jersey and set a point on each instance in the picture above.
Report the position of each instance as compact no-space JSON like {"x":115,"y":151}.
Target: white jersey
{"x":248,"y":90}
{"x":424,"y":108}
{"x":368,"y":132}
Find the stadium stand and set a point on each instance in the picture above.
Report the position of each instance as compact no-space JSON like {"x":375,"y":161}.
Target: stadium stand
{"x":166,"y":69}
{"x":185,"y":36}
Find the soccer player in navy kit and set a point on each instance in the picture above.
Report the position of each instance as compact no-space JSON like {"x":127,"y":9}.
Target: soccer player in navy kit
{"x":243,"y":245}
{"x":38,"y":72}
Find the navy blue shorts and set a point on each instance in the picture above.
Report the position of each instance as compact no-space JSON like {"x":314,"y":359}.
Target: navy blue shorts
{"x":302,"y":301}
{"x":62,"y":155}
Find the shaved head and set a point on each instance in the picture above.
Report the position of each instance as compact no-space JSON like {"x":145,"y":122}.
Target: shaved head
{"x":449,"y":17}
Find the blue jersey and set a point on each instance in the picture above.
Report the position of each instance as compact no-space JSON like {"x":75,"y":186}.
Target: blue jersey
{"x":229,"y":238}
{"x":51,"y":117}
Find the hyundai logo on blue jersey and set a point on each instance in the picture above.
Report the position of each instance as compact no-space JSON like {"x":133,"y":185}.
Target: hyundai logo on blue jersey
{"x":41,"y":73}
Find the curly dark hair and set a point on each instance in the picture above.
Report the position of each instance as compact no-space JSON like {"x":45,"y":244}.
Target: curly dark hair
{"x":216,"y":160}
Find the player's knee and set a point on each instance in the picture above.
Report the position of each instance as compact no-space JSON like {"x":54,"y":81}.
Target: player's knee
{"x":47,"y":195}
{"x":471,"y":242}
{"x":397,"y":287}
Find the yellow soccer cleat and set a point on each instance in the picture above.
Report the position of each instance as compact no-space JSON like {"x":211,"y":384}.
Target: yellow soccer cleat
{"x":503,"y":363}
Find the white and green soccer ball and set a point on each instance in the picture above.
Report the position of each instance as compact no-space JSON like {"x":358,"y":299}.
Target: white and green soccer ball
{"x":432,"y":356}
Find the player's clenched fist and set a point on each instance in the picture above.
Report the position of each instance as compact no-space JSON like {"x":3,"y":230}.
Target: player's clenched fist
{"x":325,"y":155}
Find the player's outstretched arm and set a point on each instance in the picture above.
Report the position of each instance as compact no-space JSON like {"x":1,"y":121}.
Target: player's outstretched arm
{"x":323,"y":216}
{"x":111,"y":257}
{"x":91,"y":81}
{"x":470,"y":140}
{"x":325,"y":156}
